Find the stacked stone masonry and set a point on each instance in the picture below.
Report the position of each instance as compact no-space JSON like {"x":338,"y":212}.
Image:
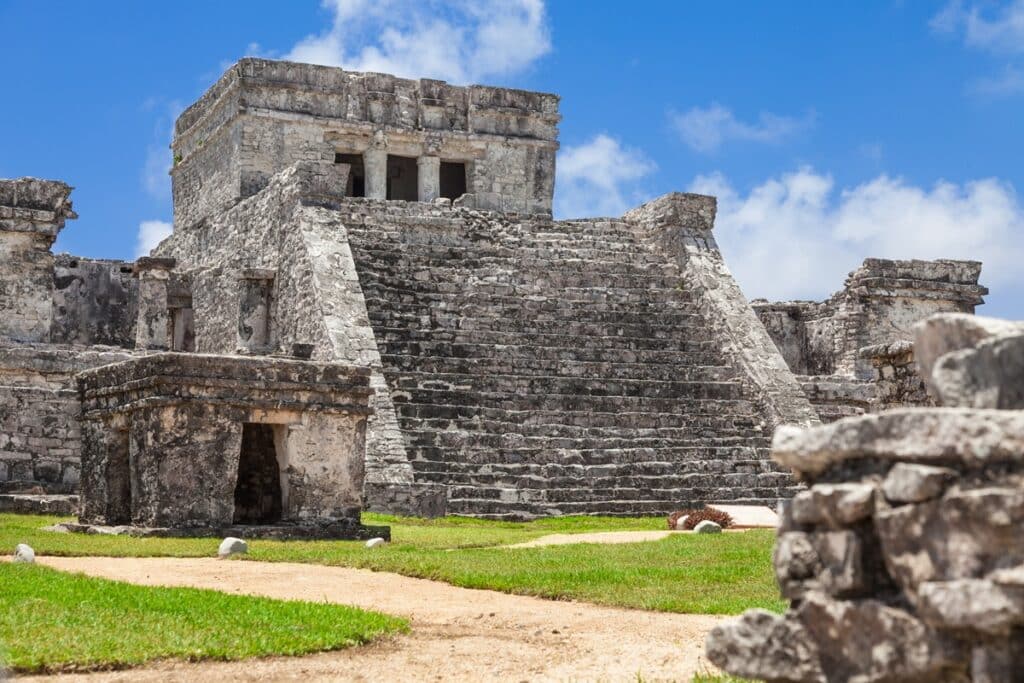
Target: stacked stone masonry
{"x":852,"y":352}
{"x":903,"y":560}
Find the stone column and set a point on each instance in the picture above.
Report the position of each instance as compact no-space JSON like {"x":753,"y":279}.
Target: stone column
{"x":152,"y":329}
{"x":375,"y":167}
{"x":255,"y":289}
{"x":428,"y":178}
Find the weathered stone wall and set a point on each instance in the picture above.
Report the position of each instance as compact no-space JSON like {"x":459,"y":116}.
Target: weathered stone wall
{"x":172,"y":423}
{"x":847,"y":349}
{"x":40,"y":437}
{"x":32,"y":213}
{"x":94,"y":302}
{"x":903,"y":560}
{"x":262,"y":116}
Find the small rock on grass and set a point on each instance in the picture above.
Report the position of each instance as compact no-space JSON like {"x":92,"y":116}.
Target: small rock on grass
{"x":374,"y":542}
{"x":24,"y":553}
{"x":708,"y":527}
{"x":232,"y":546}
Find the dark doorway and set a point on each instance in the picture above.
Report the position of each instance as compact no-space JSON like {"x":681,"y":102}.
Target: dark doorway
{"x":258,"y":491}
{"x":356,"y":176}
{"x":402,"y":179}
{"x":119,"y":481}
{"x":453,"y":179}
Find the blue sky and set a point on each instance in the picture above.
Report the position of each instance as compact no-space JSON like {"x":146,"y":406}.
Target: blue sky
{"x":831,"y":131}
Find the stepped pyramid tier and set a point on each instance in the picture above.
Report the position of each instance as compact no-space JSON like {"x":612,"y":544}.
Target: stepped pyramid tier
{"x":400,"y":230}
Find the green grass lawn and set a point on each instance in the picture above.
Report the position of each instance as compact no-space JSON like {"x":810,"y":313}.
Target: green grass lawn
{"x":707,"y":574}
{"x":53,"y":621}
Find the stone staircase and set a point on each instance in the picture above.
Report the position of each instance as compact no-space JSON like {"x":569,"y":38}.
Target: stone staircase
{"x":543,"y":367}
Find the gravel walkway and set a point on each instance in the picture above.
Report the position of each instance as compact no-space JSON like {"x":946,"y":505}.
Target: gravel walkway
{"x":457,"y":633}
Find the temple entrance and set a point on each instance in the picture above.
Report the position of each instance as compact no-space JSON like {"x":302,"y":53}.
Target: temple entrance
{"x":119,"y":481}
{"x":403,"y":177}
{"x":258,"y":491}
{"x":453,"y":179}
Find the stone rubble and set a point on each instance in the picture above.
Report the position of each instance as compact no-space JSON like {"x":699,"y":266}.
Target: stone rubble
{"x":904,"y":558}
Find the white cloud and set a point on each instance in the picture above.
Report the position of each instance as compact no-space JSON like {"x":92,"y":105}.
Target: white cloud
{"x":795,"y":236}
{"x":155,"y":178}
{"x":999,"y":31}
{"x":706,"y":129}
{"x":598,"y":178}
{"x":151,"y":233}
{"x":461,"y":41}
{"x":1009,"y":82}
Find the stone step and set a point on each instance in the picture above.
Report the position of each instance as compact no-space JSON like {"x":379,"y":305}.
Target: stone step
{"x":519,"y":387}
{"x":668,"y":461}
{"x":693,"y":353}
{"x":708,"y":398}
{"x":435,"y":366}
{"x":512,"y":325}
{"x":658,"y":503}
{"x":400,"y":335}
{"x":683,"y":433}
{"x":477,"y":448}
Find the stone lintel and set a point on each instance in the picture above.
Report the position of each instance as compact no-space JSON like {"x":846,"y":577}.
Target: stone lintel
{"x":266,"y":384}
{"x":153,"y":264}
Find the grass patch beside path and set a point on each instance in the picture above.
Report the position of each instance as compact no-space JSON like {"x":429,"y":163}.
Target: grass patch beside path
{"x":53,"y":621}
{"x":700,"y":574}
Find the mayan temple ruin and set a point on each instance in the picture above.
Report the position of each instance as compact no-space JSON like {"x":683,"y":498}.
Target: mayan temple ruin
{"x":366,"y":304}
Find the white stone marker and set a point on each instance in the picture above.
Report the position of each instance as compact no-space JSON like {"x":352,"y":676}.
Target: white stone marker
{"x":708,"y":527}
{"x":24,"y":553}
{"x":232,"y":546}
{"x":374,"y":542}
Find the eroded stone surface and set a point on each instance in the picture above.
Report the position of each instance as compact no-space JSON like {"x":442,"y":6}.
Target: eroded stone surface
{"x":907,"y":483}
{"x":764,"y":645}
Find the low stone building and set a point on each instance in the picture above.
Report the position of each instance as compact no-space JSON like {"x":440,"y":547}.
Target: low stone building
{"x":520,"y":365}
{"x":198,"y":443}
{"x":904,"y":559}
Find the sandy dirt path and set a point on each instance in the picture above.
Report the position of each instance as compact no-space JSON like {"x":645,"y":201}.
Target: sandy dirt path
{"x":457,"y":633}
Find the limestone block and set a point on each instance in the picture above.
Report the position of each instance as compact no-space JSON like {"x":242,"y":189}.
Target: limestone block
{"x":975,"y":604}
{"x":374,"y":542}
{"x":762,"y":645}
{"x":232,"y":546}
{"x":947,"y":332}
{"x":937,"y":436}
{"x":890,"y":644}
{"x":708,"y":527}
{"x":833,"y":505}
{"x":989,"y":376}
{"x":908,"y":483}
{"x":24,"y":554}
{"x":829,"y":561}
{"x":964,"y":535}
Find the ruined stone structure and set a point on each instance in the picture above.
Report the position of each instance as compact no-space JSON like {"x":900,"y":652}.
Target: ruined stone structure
{"x":904,"y":560}
{"x":184,"y":441}
{"x":852,"y":353}
{"x":520,"y":366}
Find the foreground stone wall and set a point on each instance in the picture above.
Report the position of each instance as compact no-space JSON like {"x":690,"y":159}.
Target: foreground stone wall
{"x":94,"y":302}
{"x":904,"y":560}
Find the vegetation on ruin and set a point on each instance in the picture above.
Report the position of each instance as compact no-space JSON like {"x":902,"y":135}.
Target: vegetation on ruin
{"x":686,"y":573}
{"x":54,"y":621}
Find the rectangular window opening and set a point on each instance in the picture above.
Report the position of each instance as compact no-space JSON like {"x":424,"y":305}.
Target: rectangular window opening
{"x":356,"y":176}
{"x":453,"y":179}
{"x":402,"y":179}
